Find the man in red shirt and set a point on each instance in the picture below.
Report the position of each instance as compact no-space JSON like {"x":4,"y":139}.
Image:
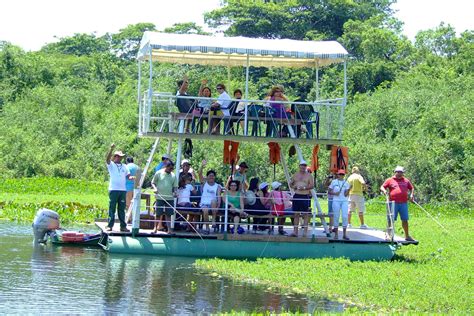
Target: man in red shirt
{"x":399,"y":187}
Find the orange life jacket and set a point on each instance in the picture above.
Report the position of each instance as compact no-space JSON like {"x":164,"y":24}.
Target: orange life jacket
{"x":339,"y":159}
{"x":314,"y":161}
{"x":275,"y":151}
{"x":231,"y":150}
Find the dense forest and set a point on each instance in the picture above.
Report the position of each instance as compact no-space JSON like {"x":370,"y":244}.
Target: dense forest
{"x":410,"y":103}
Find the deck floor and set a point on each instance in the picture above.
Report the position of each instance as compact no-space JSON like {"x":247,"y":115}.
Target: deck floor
{"x":356,"y":235}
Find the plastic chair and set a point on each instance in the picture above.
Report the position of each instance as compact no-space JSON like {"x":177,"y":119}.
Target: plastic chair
{"x":307,"y":114}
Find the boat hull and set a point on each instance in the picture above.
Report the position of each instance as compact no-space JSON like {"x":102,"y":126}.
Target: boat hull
{"x":243,"y":249}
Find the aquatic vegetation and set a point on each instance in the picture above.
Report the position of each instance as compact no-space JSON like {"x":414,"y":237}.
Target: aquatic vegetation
{"x":69,"y":212}
{"x":435,"y":276}
{"x":76,"y":201}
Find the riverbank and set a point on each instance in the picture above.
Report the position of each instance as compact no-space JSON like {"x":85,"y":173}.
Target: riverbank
{"x":435,"y":276}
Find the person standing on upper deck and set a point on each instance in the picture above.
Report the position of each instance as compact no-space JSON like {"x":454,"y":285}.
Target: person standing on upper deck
{"x":302,"y":183}
{"x":399,"y":188}
{"x":222,"y":103}
{"x":339,"y":188}
{"x":119,"y":173}
{"x":278,"y":110}
{"x":356,"y":195}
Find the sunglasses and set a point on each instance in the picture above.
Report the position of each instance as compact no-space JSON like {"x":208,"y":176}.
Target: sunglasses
{"x":219,"y":88}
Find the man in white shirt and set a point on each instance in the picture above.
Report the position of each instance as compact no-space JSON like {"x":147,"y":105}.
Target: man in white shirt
{"x":119,"y":173}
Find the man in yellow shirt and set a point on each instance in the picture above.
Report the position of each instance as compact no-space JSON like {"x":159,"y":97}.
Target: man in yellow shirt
{"x":356,"y":195}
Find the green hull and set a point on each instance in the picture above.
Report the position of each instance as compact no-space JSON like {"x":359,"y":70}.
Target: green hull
{"x":238,"y":249}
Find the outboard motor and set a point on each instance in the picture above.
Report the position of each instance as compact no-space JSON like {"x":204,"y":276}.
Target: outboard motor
{"x":45,"y":222}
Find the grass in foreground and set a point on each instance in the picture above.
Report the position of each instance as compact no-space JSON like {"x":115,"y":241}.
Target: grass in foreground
{"x":76,"y":201}
{"x":435,"y":276}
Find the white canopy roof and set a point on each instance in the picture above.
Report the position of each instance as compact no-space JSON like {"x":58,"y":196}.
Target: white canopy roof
{"x":233,"y":51}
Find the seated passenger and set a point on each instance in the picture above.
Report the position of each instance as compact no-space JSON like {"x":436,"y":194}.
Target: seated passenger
{"x":186,"y":169}
{"x":240,"y":108}
{"x":185,"y":189}
{"x":240,"y":174}
{"x":211,"y":196}
{"x":264,"y":197}
{"x":204,"y":92}
{"x":235,"y":200}
{"x":280,"y":205}
{"x":223,"y":103}
{"x":254,"y":206}
{"x":184,"y":105}
{"x":279,"y":110}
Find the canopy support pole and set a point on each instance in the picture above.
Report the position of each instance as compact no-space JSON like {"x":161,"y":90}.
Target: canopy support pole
{"x":140,"y":132}
{"x":317,"y":80}
{"x":177,"y":166}
{"x":228,"y":75}
{"x":150,"y":89}
{"x":246,"y":95}
{"x":344,"y":102}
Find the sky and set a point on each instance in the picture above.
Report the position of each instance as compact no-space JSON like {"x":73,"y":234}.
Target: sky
{"x":32,"y":23}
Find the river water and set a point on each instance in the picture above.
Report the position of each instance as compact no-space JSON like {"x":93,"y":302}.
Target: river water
{"x":71,"y":280}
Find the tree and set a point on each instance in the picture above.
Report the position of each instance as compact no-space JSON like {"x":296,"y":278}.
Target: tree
{"x":127,"y":42}
{"x":79,"y":45}
{"x":294,"y":19}
{"x":186,"y":28}
{"x":440,"y":41}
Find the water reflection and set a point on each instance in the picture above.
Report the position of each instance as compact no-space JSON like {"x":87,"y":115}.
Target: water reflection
{"x":86,"y":280}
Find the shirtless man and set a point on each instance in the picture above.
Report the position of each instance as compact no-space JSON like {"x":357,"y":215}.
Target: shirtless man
{"x":302,"y":183}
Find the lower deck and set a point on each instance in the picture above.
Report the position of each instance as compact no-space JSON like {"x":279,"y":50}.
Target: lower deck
{"x":356,"y":235}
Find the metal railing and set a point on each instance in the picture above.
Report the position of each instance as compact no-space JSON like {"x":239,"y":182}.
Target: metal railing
{"x":322,"y":119}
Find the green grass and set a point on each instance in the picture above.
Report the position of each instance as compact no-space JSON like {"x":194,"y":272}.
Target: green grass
{"x":435,"y":276}
{"x":76,"y":201}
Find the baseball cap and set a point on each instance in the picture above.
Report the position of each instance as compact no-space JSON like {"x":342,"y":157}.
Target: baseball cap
{"x":399,"y":169}
{"x":276,"y":185}
{"x":263,"y":185}
{"x":119,"y":153}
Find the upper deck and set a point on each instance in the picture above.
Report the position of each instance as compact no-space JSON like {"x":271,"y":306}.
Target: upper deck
{"x":318,"y":122}
{"x":163,"y":114}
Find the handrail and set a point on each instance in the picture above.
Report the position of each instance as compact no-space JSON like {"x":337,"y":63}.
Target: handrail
{"x":319,"y":102}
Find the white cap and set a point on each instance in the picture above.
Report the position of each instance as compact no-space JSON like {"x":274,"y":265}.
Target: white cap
{"x":399,"y":169}
{"x":275,"y":185}
{"x":303,"y":162}
{"x":165,"y":156}
{"x":263,"y":185}
{"x":185,"y":161}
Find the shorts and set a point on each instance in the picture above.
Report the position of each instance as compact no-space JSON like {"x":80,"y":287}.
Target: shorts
{"x":402,"y":209}
{"x":164,"y":207}
{"x":301,"y":203}
{"x":186,"y":207}
{"x":357,"y":202}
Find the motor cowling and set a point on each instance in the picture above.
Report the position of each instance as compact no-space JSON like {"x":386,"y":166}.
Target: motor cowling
{"x":45,"y":221}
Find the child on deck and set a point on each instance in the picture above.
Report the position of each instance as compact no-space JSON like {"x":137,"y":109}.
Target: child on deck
{"x":184,"y":196}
